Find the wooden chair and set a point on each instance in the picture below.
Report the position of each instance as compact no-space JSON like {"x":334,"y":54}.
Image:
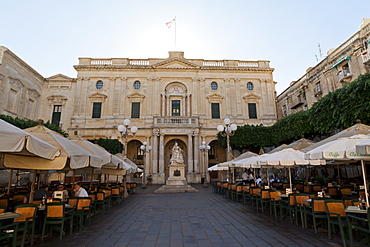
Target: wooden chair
{"x":346,"y":191}
{"x":336,"y":215}
{"x":100,"y":200}
{"x":288,"y":207}
{"x":55,"y":215}
{"x":2,"y":209}
{"x":4,"y":202}
{"x":274,"y":201}
{"x":264,"y":199}
{"x":27,"y":221}
{"x":73,"y":201}
{"x":299,"y":201}
{"x":333,"y":192}
{"x":246,"y":193}
{"x":93,"y":204}
{"x":83,"y":211}
{"x":316,"y":210}
{"x":255,"y":192}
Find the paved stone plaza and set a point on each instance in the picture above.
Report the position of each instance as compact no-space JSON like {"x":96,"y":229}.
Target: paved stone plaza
{"x":189,"y":219}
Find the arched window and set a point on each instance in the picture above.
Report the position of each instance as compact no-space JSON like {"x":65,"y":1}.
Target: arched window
{"x":214,"y":86}
{"x":99,"y":85}
{"x":250,"y":86}
{"x":137,"y":85}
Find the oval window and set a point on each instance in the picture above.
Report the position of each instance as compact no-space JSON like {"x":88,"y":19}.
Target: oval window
{"x":99,"y":85}
{"x":250,"y":86}
{"x":137,"y":85}
{"x":214,"y":85}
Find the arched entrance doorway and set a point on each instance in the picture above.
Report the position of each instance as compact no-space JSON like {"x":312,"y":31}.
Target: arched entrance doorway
{"x":168,"y":152}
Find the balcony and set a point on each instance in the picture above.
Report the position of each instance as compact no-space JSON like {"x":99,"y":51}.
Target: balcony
{"x":176,"y":122}
{"x":297,"y":103}
{"x":366,"y":57}
{"x":344,"y":75}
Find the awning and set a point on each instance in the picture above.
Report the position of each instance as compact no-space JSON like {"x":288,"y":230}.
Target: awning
{"x":341,"y":61}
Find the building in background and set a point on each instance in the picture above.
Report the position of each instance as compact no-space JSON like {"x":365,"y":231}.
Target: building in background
{"x":341,"y":65}
{"x":170,"y":100}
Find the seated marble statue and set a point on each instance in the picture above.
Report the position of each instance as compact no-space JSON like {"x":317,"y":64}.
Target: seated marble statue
{"x":177,"y":157}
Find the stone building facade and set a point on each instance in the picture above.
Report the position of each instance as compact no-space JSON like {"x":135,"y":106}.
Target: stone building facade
{"x":341,"y":65}
{"x":169,"y":100}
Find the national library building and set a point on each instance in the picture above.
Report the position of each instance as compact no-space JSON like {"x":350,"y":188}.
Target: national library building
{"x":168,"y":100}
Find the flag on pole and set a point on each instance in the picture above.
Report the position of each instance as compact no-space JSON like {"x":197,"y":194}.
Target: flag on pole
{"x":169,"y":24}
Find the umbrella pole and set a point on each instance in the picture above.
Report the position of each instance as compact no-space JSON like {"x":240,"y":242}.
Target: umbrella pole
{"x":10,"y":180}
{"x":267,"y":176}
{"x":338,"y":174}
{"x":74,"y":176}
{"x":33,"y":186}
{"x":92,"y":177}
{"x":365,"y":182}
{"x":290,"y":179}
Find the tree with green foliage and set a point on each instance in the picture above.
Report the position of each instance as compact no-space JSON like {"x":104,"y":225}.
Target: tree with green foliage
{"x":335,"y":111}
{"x":26,"y":123}
{"x":113,"y":146}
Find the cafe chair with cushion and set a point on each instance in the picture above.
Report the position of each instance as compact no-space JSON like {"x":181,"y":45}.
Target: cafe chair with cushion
{"x":93,"y":204}
{"x":27,"y":221}
{"x":317,"y":210}
{"x":360,"y":224}
{"x":333,"y":192}
{"x":346,"y":191}
{"x":100,"y":201}
{"x":108,"y":197}
{"x":255,"y":193}
{"x":4,"y":202}
{"x":348,"y":201}
{"x":2,"y":209}
{"x":246,"y":193}
{"x":299,"y":201}
{"x":274,"y":201}
{"x":83,"y":211}
{"x":336,"y":216}
{"x":264,"y":199}
{"x":55,"y":215}
{"x":116,"y":196}
{"x":73,"y":201}
{"x":287,"y":207}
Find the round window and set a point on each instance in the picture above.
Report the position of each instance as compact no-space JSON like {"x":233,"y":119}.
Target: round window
{"x":214,"y":85}
{"x":137,"y":85}
{"x":250,"y":86}
{"x":99,"y":85}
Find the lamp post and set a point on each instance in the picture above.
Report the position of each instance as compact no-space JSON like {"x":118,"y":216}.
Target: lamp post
{"x":204,"y":149}
{"x":227,"y":130}
{"x":146,"y":149}
{"x":124,"y":130}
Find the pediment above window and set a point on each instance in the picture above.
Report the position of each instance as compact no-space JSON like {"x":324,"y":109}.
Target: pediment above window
{"x":136,"y":97}
{"x":178,"y":63}
{"x":215,"y":97}
{"x":57,"y":99}
{"x":98,"y":97}
{"x":251,"y":97}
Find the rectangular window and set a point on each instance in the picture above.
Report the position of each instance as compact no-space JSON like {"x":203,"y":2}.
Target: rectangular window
{"x":215,"y":110}
{"x":57,"y":112}
{"x":96,"y":113}
{"x":29,"y":109}
{"x":252,"y":110}
{"x":135,"y":110}
{"x":11,"y":100}
{"x":175,"y":108}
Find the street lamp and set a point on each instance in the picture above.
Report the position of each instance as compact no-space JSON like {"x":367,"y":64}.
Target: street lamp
{"x":227,"y":130}
{"x":124,"y":130}
{"x":146,"y":149}
{"x":204,"y":148}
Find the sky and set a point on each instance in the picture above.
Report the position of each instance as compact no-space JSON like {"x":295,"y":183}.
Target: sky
{"x":51,"y":35}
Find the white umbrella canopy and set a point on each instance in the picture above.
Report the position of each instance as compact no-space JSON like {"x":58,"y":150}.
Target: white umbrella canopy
{"x":218,"y":168}
{"x":250,"y":162}
{"x":16,"y":141}
{"x":231,"y":163}
{"x":78,"y":156}
{"x":344,"y":149}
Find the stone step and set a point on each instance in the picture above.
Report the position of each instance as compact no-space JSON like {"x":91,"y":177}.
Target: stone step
{"x":176,"y":189}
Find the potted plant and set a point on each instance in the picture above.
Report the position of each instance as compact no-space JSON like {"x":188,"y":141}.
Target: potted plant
{"x":149,"y":179}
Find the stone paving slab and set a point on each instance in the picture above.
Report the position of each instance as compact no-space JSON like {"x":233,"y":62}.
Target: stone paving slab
{"x":189,"y":219}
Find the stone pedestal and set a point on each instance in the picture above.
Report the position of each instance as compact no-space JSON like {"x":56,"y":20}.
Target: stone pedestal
{"x":176,"y":182}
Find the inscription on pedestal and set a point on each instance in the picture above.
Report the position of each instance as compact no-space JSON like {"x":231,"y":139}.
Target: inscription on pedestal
{"x":177,"y":173}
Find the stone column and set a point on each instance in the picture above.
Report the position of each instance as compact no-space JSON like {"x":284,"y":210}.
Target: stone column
{"x":227,"y":111}
{"x":188,"y":114}
{"x":163,"y":112}
{"x":161,"y":153}
{"x":190,"y":154}
{"x":155,"y":153}
{"x":196,"y":153}
{"x":168,"y":103}
{"x":123,"y":97}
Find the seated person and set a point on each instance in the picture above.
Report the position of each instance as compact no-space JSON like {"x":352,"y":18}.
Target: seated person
{"x":79,"y":191}
{"x":39,"y":194}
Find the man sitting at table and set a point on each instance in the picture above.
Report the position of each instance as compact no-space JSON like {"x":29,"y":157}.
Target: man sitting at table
{"x":39,"y":194}
{"x":79,"y":191}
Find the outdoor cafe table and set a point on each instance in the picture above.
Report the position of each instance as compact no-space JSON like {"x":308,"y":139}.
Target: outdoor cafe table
{"x":355,"y":210}
{"x":9,"y":215}
{"x":283,"y":196}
